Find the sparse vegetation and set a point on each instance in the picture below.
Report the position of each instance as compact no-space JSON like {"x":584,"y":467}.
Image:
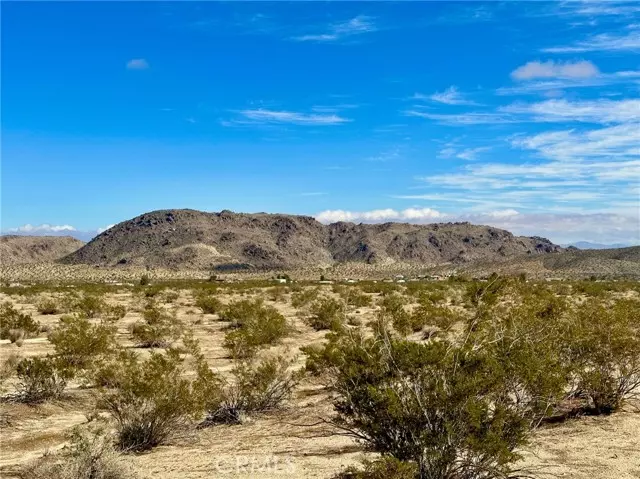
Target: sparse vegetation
{"x":39,"y":379}
{"x":257,"y":387}
{"x":327,"y":313}
{"x":153,"y":400}
{"x":90,"y":456}
{"x":158,"y":329}
{"x":253,"y":325}
{"x":15,"y":325}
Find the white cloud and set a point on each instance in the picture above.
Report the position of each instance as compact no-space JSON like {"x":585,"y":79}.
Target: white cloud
{"x":556,"y":110}
{"x":338,"y":31}
{"x":551,"y":69}
{"x":381,"y":215}
{"x":261,"y":116}
{"x":450,"y":96}
{"x":593,"y":111}
{"x":42,"y":229}
{"x":602,"y":42}
{"x":556,"y":85}
{"x":471,"y":153}
{"x":137,"y":64}
{"x":102,"y":230}
{"x":559,"y":227}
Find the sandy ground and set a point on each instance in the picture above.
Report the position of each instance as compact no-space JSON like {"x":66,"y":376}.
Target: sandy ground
{"x":283,"y":444}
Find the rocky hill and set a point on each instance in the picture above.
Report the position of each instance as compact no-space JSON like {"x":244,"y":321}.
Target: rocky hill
{"x":227,"y":241}
{"x":16,"y":249}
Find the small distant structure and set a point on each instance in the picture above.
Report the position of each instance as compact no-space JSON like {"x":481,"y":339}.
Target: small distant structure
{"x":352,"y":281}
{"x":281,"y":280}
{"x":399,"y":276}
{"x":400,"y":281}
{"x":325,"y":281}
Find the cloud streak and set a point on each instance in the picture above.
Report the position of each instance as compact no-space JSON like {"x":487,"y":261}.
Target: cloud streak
{"x":340,"y":31}
{"x":265,"y":117}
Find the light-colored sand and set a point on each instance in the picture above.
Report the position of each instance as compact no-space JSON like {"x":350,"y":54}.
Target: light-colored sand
{"x":284,"y":444}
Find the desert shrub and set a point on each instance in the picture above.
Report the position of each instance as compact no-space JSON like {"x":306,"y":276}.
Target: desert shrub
{"x":253,"y":325}
{"x":7,"y":370}
{"x":326,"y":313}
{"x":90,"y":305}
{"x":305,"y":297}
{"x":78,"y":343}
{"x":153,"y":400}
{"x":144,"y":280}
{"x":356,"y":297}
{"x":526,"y":346}
{"x":48,"y":306}
{"x":209,"y":304}
{"x":605,"y":348}
{"x":429,"y":314}
{"x":436,"y":405}
{"x":392,"y":308}
{"x":170,"y":296}
{"x":158,"y":329}
{"x":257,"y":387}
{"x":278,"y":293}
{"x":89,"y":456}
{"x":14,"y":325}
{"x":106,"y":370}
{"x":384,"y":468}
{"x":39,"y":379}
{"x":113,"y":313}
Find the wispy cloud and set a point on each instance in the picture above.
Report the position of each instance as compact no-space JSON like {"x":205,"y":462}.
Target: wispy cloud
{"x":263,"y":116}
{"x":588,"y":111}
{"x":602,"y":42}
{"x":551,"y":69}
{"x":591,"y":111}
{"x":558,"y":84}
{"x":137,"y":64}
{"x":339,"y":31}
{"x":450,"y":96}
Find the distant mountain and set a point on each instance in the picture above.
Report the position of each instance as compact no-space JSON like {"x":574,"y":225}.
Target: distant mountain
{"x":196,"y":239}
{"x":589,"y":245}
{"x":17,"y":249}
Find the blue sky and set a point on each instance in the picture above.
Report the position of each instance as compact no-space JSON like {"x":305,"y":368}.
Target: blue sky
{"x":522,"y":115}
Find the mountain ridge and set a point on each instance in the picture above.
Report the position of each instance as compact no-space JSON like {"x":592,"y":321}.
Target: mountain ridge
{"x":178,"y":238}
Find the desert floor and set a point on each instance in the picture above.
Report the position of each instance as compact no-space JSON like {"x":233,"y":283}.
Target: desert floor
{"x":288,"y":443}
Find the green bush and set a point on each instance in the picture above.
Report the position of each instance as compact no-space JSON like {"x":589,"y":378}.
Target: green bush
{"x":605,"y":348}
{"x":144,"y":280}
{"x":78,"y":343}
{"x":154,"y":400}
{"x":158,"y":329}
{"x":435,"y":405}
{"x":209,"y":304}
{"x":39,"y":379}
{"x":253,"y":325}
{"x":89,"y":456}
{"x":48,"y":306}
{"x":327,"y":313}
{"x":90,"y":306}
{"x":305,"y":297}
{"x":12,"y":321}
{"x":257,"y":387}
{"x":114,"y":313}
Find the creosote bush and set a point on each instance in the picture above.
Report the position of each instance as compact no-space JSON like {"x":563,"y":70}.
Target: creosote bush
{"x":158,"y":329}
{"x":90,"y":456}
{"x":257,"y":386}
{"x":15,"y":325}
{"x":78,"y":343}
{"x":39,"y":380}
{"x":253,"y":325}
{"x":48,"y":306}
{"x":435,"y":406}
{"x":90,"y":305}
{"x":305,"y":297}
{"x":154,"y":401}
{"x":327,"y":313}
{"x":209,"y":304}
{"x":606,"y":351}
